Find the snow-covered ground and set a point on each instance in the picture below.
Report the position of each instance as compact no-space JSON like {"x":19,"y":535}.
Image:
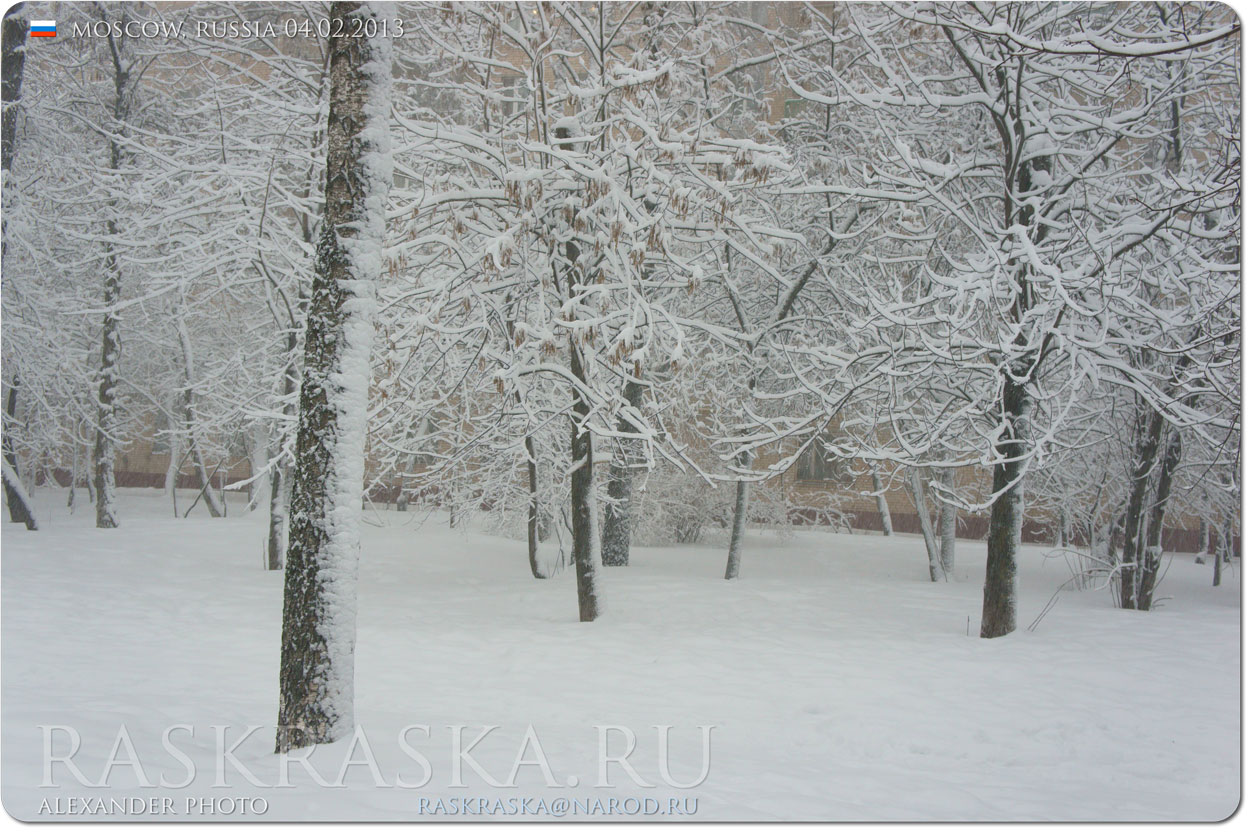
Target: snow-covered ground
{"x":841,"y":684}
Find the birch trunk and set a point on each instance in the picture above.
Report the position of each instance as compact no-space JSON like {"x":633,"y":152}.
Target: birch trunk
{"x":189,"y":421}
{"x":949,"y":521}
{"x":280,"y":477}
{"x":175,"y":461}
{"x":533,"y":523}
{"x":883,"y":507}
{"x":105,"y":448}
{"x":319,"y":593}
{"x":926,"y":525}
{"x":258,"y":460}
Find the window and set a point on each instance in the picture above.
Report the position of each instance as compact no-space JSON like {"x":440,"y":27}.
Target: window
{"x":160,"y":440}
{"x":515,"y":93}
{"x":795,"y":106}
{"x":816,"y":466}
{"x":236,"y":447}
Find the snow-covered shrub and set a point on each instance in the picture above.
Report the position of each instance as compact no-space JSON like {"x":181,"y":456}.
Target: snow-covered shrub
{"x":673,"y":507}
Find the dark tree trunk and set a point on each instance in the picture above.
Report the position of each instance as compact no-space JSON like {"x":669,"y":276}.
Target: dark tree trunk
{"x":105,"y":449}
{"x":618,"y":515}
{"x":998,"y":608}
{"x":742,"y":506}
{"x":1154,"y":523}
{"x":12,"y":64}
{"x":19,"y":511}
{"x":280,"y":476}
{"x":1218,"y":569}
{"x":18,"y":493}
{"x":582,"y":481}
{"x":319,"y":592}
{"x":1133,"y":560}
{"x":73,"y":480}
{"x":582,"y":490}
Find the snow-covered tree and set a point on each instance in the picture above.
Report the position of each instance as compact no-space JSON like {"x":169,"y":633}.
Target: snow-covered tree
{"x":1022,"y":318}
{"x":12,"y":63}
{"x":573,"y":204}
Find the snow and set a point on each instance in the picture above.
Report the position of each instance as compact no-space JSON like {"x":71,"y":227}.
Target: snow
{"x":840,"y":682}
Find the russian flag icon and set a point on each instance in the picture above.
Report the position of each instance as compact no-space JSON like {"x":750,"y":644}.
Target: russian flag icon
{"x":43,"y":28}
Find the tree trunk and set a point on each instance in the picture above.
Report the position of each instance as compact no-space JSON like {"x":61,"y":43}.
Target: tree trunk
{"x":533,"y":523}
{"x":998,"y":606}
{"x":279,"y":499}
{"x":582,"y":489}
{"x":12,"y":65}
{"x":585,"y":517}
{"x":926,"y":525}
{"x":319,"y":593}
{"x":883,"y":507}
{"x":742,"y":506}
{"x":1132,"y":564}
{"x":280,"y":478}
{"x":73,"y":480}
{"x":1154,"y":523}
{"x":949,"y":521}
{"x":19,"y":507}
{"x":175,"y":462}
{"x":15,"y":492}
{"x":618,"y":515}
{"x":1218,"y":569}
{"x":105,"y":450}
{"x":12,"y":62}
{"x":188,"y":421}
{"x":258,"y":460}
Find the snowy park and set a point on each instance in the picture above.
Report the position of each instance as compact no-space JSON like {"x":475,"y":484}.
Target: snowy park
{"x":640,"y":411}
{"x":842,"y":684}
